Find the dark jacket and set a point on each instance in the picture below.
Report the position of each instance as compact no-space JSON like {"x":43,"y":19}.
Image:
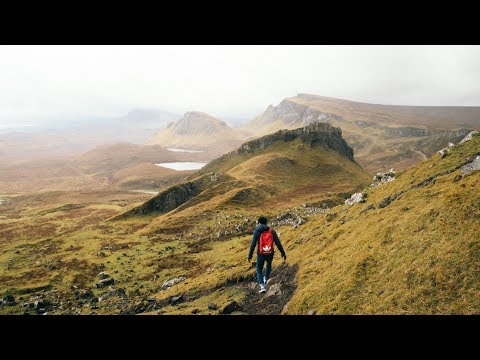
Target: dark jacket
{"x":259,"y":229}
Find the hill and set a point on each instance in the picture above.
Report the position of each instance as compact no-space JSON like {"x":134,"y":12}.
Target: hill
{"x":291,"y":166}
{"x":383,"y":136}
{"x":200,"y":131}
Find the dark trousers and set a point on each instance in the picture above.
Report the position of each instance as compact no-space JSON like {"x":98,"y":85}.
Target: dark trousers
{"x":261,"y":259}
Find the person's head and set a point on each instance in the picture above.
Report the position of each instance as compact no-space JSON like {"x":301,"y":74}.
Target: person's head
{"x":262,"y":220}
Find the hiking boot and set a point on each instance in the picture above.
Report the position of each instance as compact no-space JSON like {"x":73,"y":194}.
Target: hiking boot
{"x":262,"y":288}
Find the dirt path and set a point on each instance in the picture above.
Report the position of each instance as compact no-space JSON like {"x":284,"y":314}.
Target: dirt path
{"x":280,"y":289}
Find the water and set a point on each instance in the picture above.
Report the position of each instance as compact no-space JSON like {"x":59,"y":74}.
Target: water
{"x":151,"y":192}
{"x":184,"y":165}
{"x":184,"y":150}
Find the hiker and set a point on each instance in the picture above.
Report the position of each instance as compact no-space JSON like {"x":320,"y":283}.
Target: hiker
{"x":263,"y":238}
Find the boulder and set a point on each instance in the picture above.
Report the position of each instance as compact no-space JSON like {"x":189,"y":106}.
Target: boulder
{"x":230,"y":307}
{"x":468,"y":137}
{"x":355,"y":198}
{"x":104,"y":283}
{"x":8,"y":300}
{"x":212,"y":306}
{"x":168,"y":283}
{"x":103,"y":275}
{"x":471,"y":167}
{"x":174,"y":300}
{"x":274,"y":290}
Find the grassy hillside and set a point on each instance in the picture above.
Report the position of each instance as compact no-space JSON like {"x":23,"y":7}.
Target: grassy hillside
{"x":417,"y":255}
{"x":383,"y":136}
{"x":411,"y":248}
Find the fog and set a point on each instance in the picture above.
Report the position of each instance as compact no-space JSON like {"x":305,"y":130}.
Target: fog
{"x":58,"y":83}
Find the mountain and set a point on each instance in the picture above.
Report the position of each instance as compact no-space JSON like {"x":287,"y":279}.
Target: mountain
{"x":383,"y":136}
{"x":288,"y":167}
{"x":197,"y":130}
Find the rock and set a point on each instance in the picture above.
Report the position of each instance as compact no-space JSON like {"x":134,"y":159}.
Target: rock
{"x":382,"y":178}
{"x":195,"y":311}
{"x":443,"y":152}
{"x":468,"y":137}
{"x":83,"y":294}
{"x":274,"y":290}
{"x":105,"y":282}
{"x":168,"y":283}
{"x":103,"y":275}
{"x":230,"y":307}
{"x":470,"y":168}
{"x":252,"y":285}
{"x":40,"y":304}
{"x":8,"y":300}
{"x":212,"y":306}
{"x":174,"y":300}
{"x":457,"y":177}
{"x":355,"y":198}
{"x":311,"y":312}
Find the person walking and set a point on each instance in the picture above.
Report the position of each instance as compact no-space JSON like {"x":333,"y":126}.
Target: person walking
{"x":263,"y":238}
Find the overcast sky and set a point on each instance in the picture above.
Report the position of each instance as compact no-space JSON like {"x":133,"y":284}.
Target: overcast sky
{"x":52,"y":82}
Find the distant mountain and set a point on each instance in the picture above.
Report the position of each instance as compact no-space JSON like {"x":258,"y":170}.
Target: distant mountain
{"x":383,"y":136}
{"x":155,"y":119}
{"x":198,"y":130}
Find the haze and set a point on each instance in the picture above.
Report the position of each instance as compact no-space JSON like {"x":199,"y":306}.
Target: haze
{"x":44,"y":83}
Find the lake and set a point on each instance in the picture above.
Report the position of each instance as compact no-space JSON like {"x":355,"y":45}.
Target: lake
{"x":184,"y":150}
{"x":183,"y":165}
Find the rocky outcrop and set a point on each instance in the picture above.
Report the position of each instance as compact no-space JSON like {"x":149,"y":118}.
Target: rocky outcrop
{"x":468,"y":137}
{"x":406,"y":131}
{"x":293,"y":114}
{"x":471,"y":167}
{"x":356,"y":198}
{"x":382,"y":178}
{"x":169,"y":283}
{"x":412,"y":132}
{"x":315,"y":134}
{"x":8,"y":300}
{"x":179,"y":194}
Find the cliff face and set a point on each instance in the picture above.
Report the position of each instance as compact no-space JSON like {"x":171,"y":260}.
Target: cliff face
{"x":315,"y":134}
{"x":412,"y":132}
{"x":178,"y":194}
{"x":294,"y":115}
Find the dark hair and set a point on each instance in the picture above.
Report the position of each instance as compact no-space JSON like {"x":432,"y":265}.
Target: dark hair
{"x":262,"y":220}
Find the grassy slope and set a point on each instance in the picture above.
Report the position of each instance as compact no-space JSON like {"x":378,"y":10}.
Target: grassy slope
{"x":420,"y":254}
{"x":294,"y":169}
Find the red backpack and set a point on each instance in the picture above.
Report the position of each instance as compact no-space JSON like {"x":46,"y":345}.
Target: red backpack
{"x":265,"y":245}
